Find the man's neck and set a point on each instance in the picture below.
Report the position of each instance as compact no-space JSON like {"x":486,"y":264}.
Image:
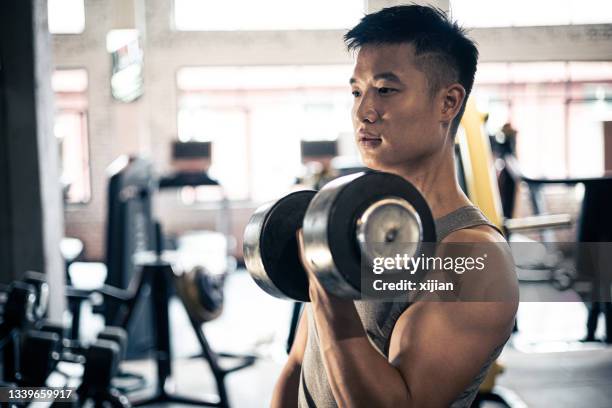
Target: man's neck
{"x":436,"y":179}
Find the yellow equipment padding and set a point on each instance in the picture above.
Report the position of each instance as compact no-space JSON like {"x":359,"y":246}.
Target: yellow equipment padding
{"x":480,"y":175}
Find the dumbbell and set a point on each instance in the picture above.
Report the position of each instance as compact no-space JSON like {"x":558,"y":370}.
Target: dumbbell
{"x":352,"y":219}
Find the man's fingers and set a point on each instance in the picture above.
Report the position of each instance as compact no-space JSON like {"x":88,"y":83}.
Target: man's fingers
{"x":303,"y":260}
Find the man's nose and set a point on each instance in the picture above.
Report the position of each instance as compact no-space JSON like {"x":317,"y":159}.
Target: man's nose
{"x":366,"y":111}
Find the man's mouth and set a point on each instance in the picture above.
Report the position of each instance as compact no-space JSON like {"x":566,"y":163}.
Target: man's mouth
{"x":369,"y":140}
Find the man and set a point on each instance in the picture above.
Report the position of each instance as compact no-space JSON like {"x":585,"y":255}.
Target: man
{"x":414,"y":71}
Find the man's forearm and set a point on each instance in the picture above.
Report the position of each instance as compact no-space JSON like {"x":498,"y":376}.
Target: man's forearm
{"x":358,"y":374}
{"x":286,"y":388}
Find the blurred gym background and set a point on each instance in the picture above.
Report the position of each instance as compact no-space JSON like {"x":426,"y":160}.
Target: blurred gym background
{"x":215,"y":107}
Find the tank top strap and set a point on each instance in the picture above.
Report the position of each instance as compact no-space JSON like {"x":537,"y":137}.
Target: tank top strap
{"x":463,"y":217}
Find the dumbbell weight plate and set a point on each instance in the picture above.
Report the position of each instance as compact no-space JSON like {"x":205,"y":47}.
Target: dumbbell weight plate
{"x":372,"y":213}
{"x":271,"y":249}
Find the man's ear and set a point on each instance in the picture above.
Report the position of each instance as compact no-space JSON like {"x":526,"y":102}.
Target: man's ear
{"x":452,"y":99}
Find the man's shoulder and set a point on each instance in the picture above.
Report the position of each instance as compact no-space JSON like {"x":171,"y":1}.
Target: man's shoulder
{"x":490,"y":294}
{"x":475,"y":240}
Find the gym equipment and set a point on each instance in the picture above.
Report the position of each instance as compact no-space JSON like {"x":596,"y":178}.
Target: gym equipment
{"x":18,"y":315}
{"x":475,"y":155}
{"x":317,"y":158}
{"x":201,"y":293}
{"x":156,"y":276}
{"x":190,"y":151}
{"x":32,"y":348}
{"x":40,"y":353}
{"x":101,"y":365}
{"x":41,"y":287}
{"x":200,"y":280}
{"x":130,"y":230}
{"x":371,"y":214}
{"x":271,"y":248}
{"x":318,"y":148}
{"x":132,"y":233}
{"x":361,"y":215}
{"x":145,"y":299}
{"x":478,"y":179}
{"x":71,"y":350}
{"x":116,"y":335}
{"x":340,"y":166}
{"x":20,"y":306}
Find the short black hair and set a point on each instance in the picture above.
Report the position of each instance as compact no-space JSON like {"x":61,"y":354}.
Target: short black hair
{"x":444,"y":52}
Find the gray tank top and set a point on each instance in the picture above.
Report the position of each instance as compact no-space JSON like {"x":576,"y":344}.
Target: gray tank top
{"x":378,"y":319}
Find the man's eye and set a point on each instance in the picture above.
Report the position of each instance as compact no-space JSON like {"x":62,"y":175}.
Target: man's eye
{"x":356,"y":93}
{"x":385,"y":91}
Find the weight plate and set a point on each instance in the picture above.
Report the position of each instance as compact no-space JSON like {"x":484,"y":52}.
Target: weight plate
{"x":349,"y":212}
{"x":271,"y":249}
{"x":201,"y":293}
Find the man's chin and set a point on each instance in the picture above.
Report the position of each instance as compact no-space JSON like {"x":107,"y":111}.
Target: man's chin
{"x":378,"y":160}
{"x":392,"y":162}
{"x":393,"y":167}
{"x":373,"y":163}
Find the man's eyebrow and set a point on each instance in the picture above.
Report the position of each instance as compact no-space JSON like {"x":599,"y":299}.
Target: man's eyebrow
{"x":389,"y":76}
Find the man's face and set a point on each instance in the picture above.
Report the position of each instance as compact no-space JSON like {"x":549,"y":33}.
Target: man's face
{"x":395,"y":118}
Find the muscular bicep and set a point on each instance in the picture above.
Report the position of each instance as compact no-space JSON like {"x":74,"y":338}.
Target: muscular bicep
{"x":439,"y":347}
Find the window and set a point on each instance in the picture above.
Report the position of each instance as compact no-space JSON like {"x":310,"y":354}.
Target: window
{"x":66,"y":16}
{"x":70,"y":87}
{"x":233,"y":15}
{"x":486,"y":13}
{"x":557,"y":108}
{"x":256,"y":117}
